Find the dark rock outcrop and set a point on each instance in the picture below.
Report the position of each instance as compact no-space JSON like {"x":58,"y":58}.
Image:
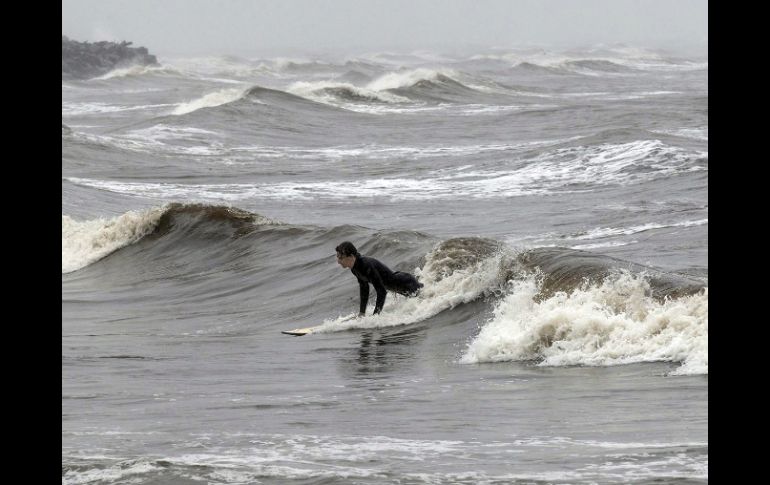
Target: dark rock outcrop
{"x":83,"y":60}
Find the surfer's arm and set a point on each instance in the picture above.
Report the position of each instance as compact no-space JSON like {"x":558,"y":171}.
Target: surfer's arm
{"x":364,"y":290}
{"x":379,"y":287}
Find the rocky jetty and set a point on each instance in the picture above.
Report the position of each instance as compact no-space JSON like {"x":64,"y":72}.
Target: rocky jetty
{"x":83,"y":60}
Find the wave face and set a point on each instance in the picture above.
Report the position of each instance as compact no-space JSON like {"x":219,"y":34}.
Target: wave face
{"x":85,"y":242}
{"x":554,"y":205}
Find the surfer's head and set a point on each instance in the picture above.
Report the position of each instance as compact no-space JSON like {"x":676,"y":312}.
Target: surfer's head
{"x":346,"y":254}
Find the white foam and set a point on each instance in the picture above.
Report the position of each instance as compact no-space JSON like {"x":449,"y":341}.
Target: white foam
{"x":292,"y":457}
{"x":307,"y":458}
{"x":217,"y":98}
{"x":481,"y":108}
{"x":152,"y":140}
{"x":377,"y":91}
{"x":639,"y":95}
{"x":441,"y":108}
{"x":557,"y":171}
{"x":136,"y":70}
{"x":377,"y":152}
{"x":394,"y":80}
{"x":84,"y":242}
{"x":79,"y":109}
{"x":609,"y":324}
{"x":617,"y":97}
{"x":220,"y":80}
{"x":694,"y":133}
{"x":190,"y":192}
{"x":213,"y":68}
{"x":160,"y":132}
{"x":542,"y":240}
{"x":565,"y":441}
{"x":651,"y":65}
{"x":554,"y":172}
{"x":314,"y":90}
{"x":610,"y":244}
{"x":602,"y":232}
{"x":118,"y":472}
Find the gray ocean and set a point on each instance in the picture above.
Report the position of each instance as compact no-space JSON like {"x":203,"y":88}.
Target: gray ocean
{"x":554,"y":203}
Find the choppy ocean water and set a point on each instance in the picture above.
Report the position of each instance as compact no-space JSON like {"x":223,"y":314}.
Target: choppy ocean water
{"x":554,"y":204}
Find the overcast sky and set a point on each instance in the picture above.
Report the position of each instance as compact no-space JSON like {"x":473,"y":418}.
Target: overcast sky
{"x":176,"y":27}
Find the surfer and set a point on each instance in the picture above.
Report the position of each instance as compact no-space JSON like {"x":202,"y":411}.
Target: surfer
{"x":369,"y":270}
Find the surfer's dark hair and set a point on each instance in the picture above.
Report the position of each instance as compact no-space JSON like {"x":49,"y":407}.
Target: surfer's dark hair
{"x":347,"y":249}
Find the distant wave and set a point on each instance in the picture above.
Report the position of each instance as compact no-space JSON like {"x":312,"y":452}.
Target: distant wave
{"x":622,"y":67}
{"x":220,"y":69}
{"x":581,"y":168}
{"x":153,"y":139}
{"x":85,"y":242}
{"x":354,"y":77}
{"x":403,"y":91}
{"x":408,"y":78}
{"x":417,"y":85}
{"x":612,"y":231}
{"x":239,"y":97}
{"x":424,"y":85}
{"x":600,"y":237}
{"x":531,"y":68}
{"x":296,"y":66}
{"x":331,"y":91}
{"x":693,"y":133}
{"x":565,"y":269}
{"x":217,"y":98}
{"x":592,"y":62}
{"x":287,"y":100}
{"x":199,"y":143}
{"x":598,"y":65}
{"x":96,"y":108}
{"x":406,"y":70}
{"x":136,"y":70}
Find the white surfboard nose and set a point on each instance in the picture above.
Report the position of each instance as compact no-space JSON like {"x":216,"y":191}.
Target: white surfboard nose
{"x":298,"y":332}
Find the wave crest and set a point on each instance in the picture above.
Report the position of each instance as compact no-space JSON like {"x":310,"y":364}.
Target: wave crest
{"x":332,"y":91}
{"x":85,"y":242}
{"x":615,"y":322}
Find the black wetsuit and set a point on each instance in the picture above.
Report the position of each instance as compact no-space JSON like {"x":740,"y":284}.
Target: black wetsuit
{"x":369,"y":270}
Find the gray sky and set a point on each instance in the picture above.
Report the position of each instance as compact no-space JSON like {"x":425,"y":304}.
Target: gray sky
{"x":352,"y":26}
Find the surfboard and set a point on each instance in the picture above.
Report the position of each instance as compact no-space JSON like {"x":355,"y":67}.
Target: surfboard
{"x":298,"y":332}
